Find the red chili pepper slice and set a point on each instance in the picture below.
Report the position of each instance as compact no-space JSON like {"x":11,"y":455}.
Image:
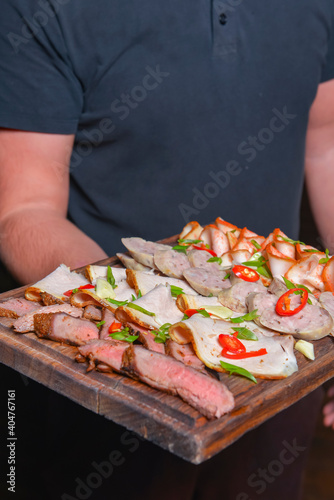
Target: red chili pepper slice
{"x":115,"y":327}
{"x":283,"y":306}
{"x":191,"y":312}
{"x":203,"y":247}
{"x":83,"y":287}
{"x":245,"y":273}
{"x":231,"y":343}
{"x":243,"y":355}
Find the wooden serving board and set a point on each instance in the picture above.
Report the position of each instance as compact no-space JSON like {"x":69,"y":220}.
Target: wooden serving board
{"x":163,"y":419}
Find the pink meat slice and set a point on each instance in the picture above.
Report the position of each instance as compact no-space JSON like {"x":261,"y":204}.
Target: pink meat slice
{"x":92,"y":313}
{"x":105,"y":352}
{"x":147,"y":338}
{"x":64,"y":328}
{"x":109,"y":318}
{"x":186,"y":354}
{"x":25,"y":323}
{"x":206,"y":394}
{"x":15,"y":308}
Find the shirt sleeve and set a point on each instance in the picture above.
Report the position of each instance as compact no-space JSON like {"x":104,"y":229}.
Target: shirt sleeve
{"x":39,"y":91}
{"x":328,"y":68}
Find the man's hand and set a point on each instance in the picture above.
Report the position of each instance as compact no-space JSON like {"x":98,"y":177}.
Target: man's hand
{"x":35,"y":236}
{"x":319,"y":162}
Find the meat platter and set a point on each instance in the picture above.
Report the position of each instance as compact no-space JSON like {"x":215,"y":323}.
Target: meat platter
{"x":159,"y":417}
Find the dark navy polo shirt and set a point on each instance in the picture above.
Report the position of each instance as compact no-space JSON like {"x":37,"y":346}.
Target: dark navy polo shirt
{"x":182,"y":110}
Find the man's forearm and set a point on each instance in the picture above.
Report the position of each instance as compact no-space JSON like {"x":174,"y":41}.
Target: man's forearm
{"x":34,"y":242}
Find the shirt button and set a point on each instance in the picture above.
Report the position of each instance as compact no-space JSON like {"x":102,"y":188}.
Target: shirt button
{"x":223,"y":18}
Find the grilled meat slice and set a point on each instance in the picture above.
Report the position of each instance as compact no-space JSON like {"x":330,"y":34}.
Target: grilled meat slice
{"x":206,"y":394}
{"x":103,"y":352}
{"x":26,"y":323}
{"x":14,"y":308}
{"x":64,"y":328}
{"x":186,"y":354}
{"x":93,"y":313}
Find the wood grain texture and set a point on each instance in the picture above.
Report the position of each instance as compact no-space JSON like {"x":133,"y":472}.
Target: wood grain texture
{"x":163,"y":419}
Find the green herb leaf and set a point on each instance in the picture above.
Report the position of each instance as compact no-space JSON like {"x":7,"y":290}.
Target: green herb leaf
{"x":124,"y":335}
{"x":110,"y":277}
{"x":176,"y":290}
{"x":215,"y":259}
{"x":261,"y":266}
{"x":75,"y":290}
{"x":204,"y":313}
{"x":227,"y":276}
{"x":141,"y":309}
{"x":139,"y":294}
{"x":245,"y":333}
{"x":211,"y":294}
{"x":185,"y":316}
{"x":256,"y":244}
{"x":239,"y":371}
{"x":180,"y":248}
{"x":133,"y":297}
{"x":246,"y":317}
{"x":291,"y":285}
{"x":289,"y":240}
{"x":311,"y":250}
{"x":118,"y":302}
{"x":100,"y":324}
{"x":191,"y":242}
{"x":325,"y":259}
{"x":162,"y":335}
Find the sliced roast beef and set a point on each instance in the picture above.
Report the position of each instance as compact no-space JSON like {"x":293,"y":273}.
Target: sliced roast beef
{"x":103,"y":353}
{"x":147,"y":338}
{"x":14,"y":308}
{"x":64,"y":328}
{"x":171,"y":263}
{"x":206,"y":282}
{"x":143,"y":251}
{"x":8,"y":322}
{"x":131,"y":263}
{"x":25,"y":323}
{"x":311,"y":323}
{"x":199,"y":258}
{"x":235,"y":297}
{"x":108,"y":317}
{"x":93,"y":313}
{"x":206,"y":394}
{"x":186,"y":354}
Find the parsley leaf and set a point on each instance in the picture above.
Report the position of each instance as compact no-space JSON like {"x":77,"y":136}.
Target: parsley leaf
{"x":245,"y":333}
{"x":239,"y":371}
{"x":246,"y":317}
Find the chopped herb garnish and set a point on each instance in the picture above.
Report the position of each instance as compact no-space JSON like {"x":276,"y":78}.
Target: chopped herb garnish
{"x":185,"y":316}
{"x":291,"y":285}
{"x":227,"y":276}
{"x":124,"y":335}
{"x":110,"y":277}
{"x":215,"y":259}
{"x":176,"y":290}
{"x":75,"y":290}
{"x":117,"y":302}
{"x":239,"y":371}
{"x":289,"y":240}
{"x":325,"y":259}
{"x":141,"y":309}
{"x":311,"y":250}
{"x":245,"y":333}
{"x":100,"y":324}
{"x":256,"y":244}
{"x":246,"y":317}
{"x":180,"y":248}
{"x":139,"y":294}
{"x":204,"y":313}
{"x":191,"y":242}
{"x":261,"y":266}
{"x":133,"y":297}
{"x":211,"y":294}
{"x":233,"y":231}
{"x":162,"y":335}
